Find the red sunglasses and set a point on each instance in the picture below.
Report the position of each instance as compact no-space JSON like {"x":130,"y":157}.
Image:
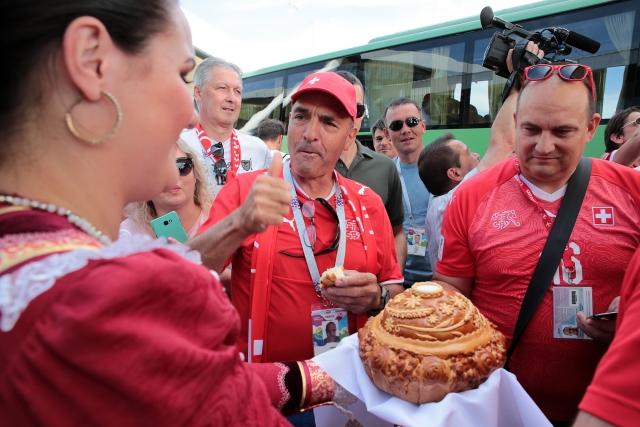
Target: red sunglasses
{"x":568,"y":72}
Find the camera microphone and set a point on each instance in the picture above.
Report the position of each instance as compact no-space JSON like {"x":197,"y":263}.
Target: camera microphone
{"x":486,"y":17}
{"x":489,"y":20}
{"x":576,"y":40}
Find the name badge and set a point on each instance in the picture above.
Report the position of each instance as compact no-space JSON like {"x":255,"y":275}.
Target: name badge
{"x":416,"y":241}
{"x":567,"y":302}
{"x":328,"y":327}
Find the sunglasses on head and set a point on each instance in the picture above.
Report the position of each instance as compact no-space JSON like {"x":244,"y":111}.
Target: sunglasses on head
{"x":185,"y":165}
{"x":636,"y":122}
{"x":568,"y":72}
{"x":396,"y":125}
{"x":308,"y":211}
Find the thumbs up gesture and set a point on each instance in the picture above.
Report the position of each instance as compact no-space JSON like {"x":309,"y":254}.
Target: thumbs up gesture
{"x":269,"y":199}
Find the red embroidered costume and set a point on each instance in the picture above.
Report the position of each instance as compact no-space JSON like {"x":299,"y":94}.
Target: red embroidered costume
{"x":126,"y":335}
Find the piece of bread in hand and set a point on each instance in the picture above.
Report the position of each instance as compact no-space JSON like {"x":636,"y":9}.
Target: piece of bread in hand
{"x":330,"y":276}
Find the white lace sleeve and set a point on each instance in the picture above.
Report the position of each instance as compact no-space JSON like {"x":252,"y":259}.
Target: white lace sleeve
{"x":20,"y":287}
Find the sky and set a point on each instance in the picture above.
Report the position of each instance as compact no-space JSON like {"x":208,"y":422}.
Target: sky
{"x":255,"y":34}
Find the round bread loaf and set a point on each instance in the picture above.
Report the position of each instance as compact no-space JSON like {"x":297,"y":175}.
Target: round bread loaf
{"x":427,"y":342}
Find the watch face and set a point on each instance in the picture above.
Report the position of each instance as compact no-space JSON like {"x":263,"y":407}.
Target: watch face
{"x":384,"y":295}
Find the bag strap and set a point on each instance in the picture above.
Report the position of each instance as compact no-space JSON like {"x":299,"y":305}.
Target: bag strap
{"x":553,"y":250}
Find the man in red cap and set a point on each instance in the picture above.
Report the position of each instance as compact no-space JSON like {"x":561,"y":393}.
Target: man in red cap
{"x":330,"y":223}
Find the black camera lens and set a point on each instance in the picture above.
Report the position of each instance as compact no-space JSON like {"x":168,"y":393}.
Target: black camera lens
{"x":166,"y":223}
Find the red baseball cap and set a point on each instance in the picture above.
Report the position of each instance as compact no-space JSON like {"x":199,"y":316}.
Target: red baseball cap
{"x":333,"y":84}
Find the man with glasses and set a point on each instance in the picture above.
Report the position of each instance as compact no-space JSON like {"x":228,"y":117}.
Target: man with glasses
{"x":497,"y":224}
{"x":622,"y":138}
{"x":332,"y":221}
{"x":446,"y":162}
{"x":405,"y":129}
{"x":224,"y":151}
{"x":376,"y":172}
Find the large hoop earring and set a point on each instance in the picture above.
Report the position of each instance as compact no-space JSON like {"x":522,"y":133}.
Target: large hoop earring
{"x":69,"y":121}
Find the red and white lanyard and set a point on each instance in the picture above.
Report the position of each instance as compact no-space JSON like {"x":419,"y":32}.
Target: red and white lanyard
{"x":569,"y":264}
{"x":236,"y":153}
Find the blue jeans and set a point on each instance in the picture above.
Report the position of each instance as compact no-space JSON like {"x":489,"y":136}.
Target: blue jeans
{"x":304,"y":419}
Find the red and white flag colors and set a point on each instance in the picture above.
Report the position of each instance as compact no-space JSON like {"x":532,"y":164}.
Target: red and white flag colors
{"x":602,"y":215}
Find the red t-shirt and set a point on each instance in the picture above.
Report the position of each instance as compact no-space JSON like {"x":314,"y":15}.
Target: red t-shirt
{"x":494,"y":233}
{"x":292,"y":292}
{"x":613,"y":393}
{"x":144,"y":339}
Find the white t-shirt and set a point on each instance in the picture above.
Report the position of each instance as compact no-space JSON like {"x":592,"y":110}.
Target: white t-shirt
{"x":433,"y":222}
{"x":255,"y":154}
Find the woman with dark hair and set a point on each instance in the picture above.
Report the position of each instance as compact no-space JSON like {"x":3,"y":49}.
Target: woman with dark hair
{"x":95,"y":332}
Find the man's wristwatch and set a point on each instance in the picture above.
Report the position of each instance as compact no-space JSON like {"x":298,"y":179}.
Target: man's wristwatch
{"x":384,"y":296}
{"x":384,"y":300}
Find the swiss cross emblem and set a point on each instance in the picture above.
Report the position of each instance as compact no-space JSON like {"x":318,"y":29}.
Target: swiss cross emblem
{"x":313,"y":80}
{"x":602,"y":215}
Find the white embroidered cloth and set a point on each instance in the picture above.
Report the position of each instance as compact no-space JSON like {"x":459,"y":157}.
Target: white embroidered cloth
{"x":20,"y":287}
{"x":498,"y":402}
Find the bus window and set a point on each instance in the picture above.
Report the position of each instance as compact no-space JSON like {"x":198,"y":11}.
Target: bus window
{"x":428,"y":73}
{"x":261,"y":99}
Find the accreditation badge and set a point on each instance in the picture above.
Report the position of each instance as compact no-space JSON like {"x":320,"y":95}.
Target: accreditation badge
{"x":567,"y":302}
{"x":416,"y":241}
{"x":328,"y":327}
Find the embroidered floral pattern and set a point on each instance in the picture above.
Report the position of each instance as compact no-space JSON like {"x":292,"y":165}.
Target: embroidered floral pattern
{"x":322,"y":385}
{"x":284,"y":370}
{"x":20,"y":287}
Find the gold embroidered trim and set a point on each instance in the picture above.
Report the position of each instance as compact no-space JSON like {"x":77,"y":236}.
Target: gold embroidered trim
{"x":16,"y":249}
{"x":9,"y":209}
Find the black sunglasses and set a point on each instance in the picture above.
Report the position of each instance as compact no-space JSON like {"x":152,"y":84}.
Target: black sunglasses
{"x":217,"y":150}
{"x":308,"y":210}
{"x":361,"y":109}
{"x":396,"y":125}
{"x":185,"y":165}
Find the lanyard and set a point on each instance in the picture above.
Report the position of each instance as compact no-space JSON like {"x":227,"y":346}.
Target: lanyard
{"x":235,"y":155}
{"x":569,"y":264}
{"x":405,"y":193}
{"x":297,"y":214}
{"x":548,"y":221}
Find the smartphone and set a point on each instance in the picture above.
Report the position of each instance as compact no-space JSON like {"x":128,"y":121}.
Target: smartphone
{"x":611,"y":315}
{"x":169,"y":225}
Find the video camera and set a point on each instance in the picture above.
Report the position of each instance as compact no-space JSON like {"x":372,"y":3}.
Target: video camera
{"x":560,"y":42}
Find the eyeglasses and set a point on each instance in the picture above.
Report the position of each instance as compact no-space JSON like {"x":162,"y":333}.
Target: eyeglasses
{"x":636,"y":122}
{"x":361,"y":110}
{"x":217,"y":150}
{"x":185,"y":165}
{"x":220,"y":166}
{"x":309,"y":236}
{"x":396,"y":125}
{"x":568,"y":72}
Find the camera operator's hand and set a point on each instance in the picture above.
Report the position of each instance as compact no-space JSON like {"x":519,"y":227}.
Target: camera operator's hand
{"x":531,"y":47}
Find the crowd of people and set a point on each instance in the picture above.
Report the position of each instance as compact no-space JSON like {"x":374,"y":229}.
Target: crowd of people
{"x":103,"y":324}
